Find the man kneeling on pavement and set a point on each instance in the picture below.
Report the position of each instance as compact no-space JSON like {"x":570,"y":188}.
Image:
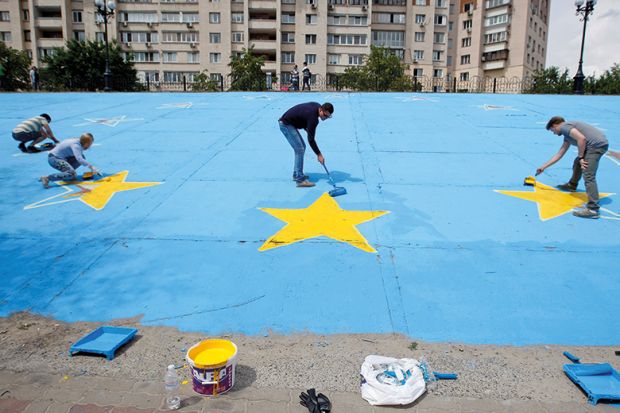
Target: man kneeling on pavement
{"x":33,"y":130}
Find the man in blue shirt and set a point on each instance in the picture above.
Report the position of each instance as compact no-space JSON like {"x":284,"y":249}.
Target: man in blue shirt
{"x":304,"y":116}
{"x":67,"y":156}
{"x":591,"y":145}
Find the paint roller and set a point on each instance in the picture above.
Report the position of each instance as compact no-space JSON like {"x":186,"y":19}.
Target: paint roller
{"x":338,"y":190}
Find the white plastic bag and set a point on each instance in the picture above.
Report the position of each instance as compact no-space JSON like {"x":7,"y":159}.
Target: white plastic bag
{"x":386,"y":380}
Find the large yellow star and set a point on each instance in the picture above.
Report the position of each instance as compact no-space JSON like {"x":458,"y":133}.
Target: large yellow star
{"x":323,"y":218}
{"x":552,"y":202}
{"x":97,"y":194}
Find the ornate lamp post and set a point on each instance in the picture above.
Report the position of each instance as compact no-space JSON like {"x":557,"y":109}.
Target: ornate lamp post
{"x":584,"y":11}
{"x":106,"y":10}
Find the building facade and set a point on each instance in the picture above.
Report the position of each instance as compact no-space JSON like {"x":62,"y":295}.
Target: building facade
{"x":170,"y":39}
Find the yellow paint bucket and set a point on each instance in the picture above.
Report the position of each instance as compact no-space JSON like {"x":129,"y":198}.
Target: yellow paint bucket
{"x":213,"y":363}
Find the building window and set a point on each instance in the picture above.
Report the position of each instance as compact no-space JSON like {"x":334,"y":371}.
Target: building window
{"x":420,"y":2}
{"x":389,"y":18}
{"x":419,"y":36}
{"x":311,"y":39}
{"x":5,"y":36}
{"x":450,"y":26}
{"x":310,"y":58}
{"x":5,"y":16}
{"x":468,"y":24}
{"x":418,"y":72}
{"x":215,"y":57}
{"x":418,"y":55}
{"x":449,"y":60}
{"x":237,"y":37}
{"x":214,"y":18}
{"x":437,"y":55}
{"x":288,"y":57}
{"x":356,"y":59}
{"x":358,"y":20}
{"x":388,"y":39}
{"x":193,"y":57}
{"x":336,"y":20}
{"x":440,"y":20}
{"x":27,"y":37}
{"x":333,"y":59}
{"x":237,"y":17}
{"x":437,"y":72}
{"x":26,"y":14}
{"x":288,"y":37}
{"x":346,"y":39}
{"x":310,"y":18}
{"x":288,"y":18}
{"x":79,"y":35}
{"x":495,"y":20}
{"x":170,"y":57}
{"x":439,"y":38}
{"x":465,"y":59}
{"x":441,"y":3}
{"x":77,"y":16}
{"x":466,"y":42}
{"x":464,"y":76}
{"x":215,"y":38}
{"x":420,"y":18}
{"x":495,"y":37}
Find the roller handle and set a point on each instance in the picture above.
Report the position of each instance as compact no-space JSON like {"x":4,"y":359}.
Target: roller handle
{"x":571,"y":357}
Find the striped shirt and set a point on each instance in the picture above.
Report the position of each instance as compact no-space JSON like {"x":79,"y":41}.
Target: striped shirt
{"x":31,"y":125}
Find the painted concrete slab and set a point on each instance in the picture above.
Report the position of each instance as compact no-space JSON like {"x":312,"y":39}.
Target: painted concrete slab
{"x":212,"y":235}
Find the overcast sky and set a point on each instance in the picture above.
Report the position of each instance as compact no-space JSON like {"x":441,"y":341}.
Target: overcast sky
{"x":601,"y":49}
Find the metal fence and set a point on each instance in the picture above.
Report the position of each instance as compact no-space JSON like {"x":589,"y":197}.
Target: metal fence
{"x":333,"y":82}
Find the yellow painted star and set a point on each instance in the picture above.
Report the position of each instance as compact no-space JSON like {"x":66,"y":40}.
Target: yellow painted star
{"x":551,"y":201}
{"x":323,"y":218}
{"x":97,"y":194}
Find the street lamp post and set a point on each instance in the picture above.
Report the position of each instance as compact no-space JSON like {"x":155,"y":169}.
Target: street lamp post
{"x":584,"y":11}
{"x":106,"y":10}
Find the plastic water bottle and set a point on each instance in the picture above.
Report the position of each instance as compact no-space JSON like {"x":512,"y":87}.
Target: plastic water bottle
{"x":171,"y":384}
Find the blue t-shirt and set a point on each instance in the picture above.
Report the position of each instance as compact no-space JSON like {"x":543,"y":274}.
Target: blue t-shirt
{"x":304,"y":116}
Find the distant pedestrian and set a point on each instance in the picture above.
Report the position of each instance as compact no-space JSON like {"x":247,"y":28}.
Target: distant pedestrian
{"x":591,"y":145}
{"x":307,"y":75}
{"x":34,"y":78}
{"x":295,"y":79}
{"x":304,"y":116}
{"x":67,"y":157}
{"x":33,"y":130}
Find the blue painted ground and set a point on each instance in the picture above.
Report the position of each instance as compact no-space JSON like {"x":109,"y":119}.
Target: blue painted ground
{"x":456,"y":261}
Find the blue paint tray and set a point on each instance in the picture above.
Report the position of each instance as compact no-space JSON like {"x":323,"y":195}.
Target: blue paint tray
{"x":600,"y":381}
{"x":104,"y":340}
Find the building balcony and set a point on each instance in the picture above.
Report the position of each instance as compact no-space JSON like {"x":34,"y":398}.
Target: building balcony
{"x":46,"y":3}
{"x":49,"y":23}
{"x":497,"y":64}
{"x":50,"y":43}
{"x":263,"y":45}
{"x":495,"y":47}
{"x":262,"y":4}
{"x":262,"y":24}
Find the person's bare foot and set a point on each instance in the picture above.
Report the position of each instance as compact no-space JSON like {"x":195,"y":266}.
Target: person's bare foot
{"x":45,"y":181}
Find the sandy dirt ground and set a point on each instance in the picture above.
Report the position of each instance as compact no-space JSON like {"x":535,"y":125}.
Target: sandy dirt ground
{"x":31,"y":343}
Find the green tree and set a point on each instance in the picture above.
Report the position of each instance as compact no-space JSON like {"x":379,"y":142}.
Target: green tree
{"x":550,"y":80}
{"x":204,"y":83}
{"x":382,"y":71}
{"x":16,"y":64}
{"x":80,"y":65}
{"x":246,"y":71}
{"x":609,"y":82}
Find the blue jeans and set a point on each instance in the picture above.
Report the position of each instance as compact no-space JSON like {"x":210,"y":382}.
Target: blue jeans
{"x":67,"y":168}
{"x":299,"y":147}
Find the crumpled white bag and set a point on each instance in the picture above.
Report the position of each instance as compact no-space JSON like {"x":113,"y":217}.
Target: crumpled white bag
{"x":390,"y":381}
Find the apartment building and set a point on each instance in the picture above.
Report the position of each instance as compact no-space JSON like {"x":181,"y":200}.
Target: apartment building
{"x":169,"y":39}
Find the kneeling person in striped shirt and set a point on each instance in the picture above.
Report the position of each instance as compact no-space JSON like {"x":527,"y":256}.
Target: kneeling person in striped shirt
{"x":67,"y":157}
{"x":33,"y":130}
